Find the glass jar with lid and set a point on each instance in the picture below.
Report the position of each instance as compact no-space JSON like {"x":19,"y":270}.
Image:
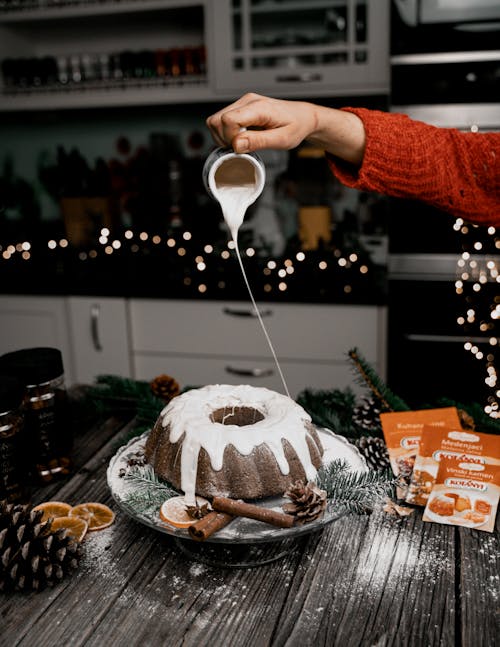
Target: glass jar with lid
{"x":45,"y":408}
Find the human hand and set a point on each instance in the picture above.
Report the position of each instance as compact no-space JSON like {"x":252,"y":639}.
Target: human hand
{"x":254,"y":122}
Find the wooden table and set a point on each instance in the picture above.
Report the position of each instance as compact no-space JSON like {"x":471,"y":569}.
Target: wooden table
{"x":365,"y":580}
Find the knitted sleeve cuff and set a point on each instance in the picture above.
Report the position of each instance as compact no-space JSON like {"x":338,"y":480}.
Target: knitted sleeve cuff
{"x":386,"y":159}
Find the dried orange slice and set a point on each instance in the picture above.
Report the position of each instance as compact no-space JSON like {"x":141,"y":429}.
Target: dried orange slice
{"x":174,"y":511}
{"x":97,"y":515}
{"x":74,"y":526}
{"x":53,"y":509}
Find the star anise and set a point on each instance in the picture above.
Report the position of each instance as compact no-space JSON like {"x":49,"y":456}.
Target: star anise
{"x":197,"y":511}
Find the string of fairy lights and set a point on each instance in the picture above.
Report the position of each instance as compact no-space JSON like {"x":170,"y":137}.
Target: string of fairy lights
{"x":276,"y":273}
{"x":476,"y":270}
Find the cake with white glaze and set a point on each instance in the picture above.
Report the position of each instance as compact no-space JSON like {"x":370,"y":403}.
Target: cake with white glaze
{"x":237,"y":441}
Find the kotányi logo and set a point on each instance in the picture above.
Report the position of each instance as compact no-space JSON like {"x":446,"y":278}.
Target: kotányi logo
{"x":410,"y":441}
{"x":465,"y":484}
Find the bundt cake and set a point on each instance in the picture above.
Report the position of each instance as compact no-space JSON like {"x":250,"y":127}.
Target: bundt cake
{"x":236,"y":441}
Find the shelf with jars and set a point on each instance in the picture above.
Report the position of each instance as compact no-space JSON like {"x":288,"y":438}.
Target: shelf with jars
{"x":88,"y":54}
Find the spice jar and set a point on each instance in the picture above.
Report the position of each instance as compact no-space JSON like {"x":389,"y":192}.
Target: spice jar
{"x":45,"y":408}
{"x":13,"y":466}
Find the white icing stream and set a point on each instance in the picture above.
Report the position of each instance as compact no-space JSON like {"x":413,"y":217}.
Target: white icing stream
{"x":235,"y":195}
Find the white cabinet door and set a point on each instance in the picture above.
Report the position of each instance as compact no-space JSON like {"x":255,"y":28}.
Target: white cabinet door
{"x":99,"y":337}
{"x":216,"y":342}
{"x":30,"y":321}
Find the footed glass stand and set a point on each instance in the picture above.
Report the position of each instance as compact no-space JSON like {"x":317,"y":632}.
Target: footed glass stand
{"x":239,"y":555}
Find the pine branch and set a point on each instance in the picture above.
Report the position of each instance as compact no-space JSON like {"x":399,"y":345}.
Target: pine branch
{"x":357,"y":492}
{"x":367,"y":376}
{"x":331,"y":409}
{"x":113,"y":394}
{"x":149,"y":491}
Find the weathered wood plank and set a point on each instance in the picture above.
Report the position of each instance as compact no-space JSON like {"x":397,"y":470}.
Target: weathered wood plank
{"x":375,"y":581}
{"x":480,"y":587}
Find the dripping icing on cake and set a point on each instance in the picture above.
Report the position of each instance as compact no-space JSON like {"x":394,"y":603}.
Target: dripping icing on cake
{"x":200,"y":422}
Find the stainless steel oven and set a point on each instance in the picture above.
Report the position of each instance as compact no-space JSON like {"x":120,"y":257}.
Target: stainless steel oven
{"x":443,"y":275}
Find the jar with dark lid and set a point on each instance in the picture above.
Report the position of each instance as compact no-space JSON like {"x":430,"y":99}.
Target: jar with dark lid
{"x":13,"y":463}
{"x":45,"y":408}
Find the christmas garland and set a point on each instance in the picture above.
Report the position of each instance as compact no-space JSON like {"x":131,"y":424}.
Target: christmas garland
{"x":351,"y":492}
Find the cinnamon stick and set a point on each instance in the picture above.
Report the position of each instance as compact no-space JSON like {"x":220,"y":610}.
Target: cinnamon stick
{"x":241,"y":509}
{"x":207,"y":525}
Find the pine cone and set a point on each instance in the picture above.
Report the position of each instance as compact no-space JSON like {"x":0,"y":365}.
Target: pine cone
{"x":366,"y":416}
{"x":308,"y":502}
{"x":375,"y":452}
{"x":31,"y":555}
{"x":165,"y":387}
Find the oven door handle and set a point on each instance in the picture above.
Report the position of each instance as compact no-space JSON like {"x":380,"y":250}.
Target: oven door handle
{"x":452,"y":339}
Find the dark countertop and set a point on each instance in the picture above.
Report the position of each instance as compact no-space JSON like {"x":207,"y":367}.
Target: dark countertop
{"x":363,"y":581}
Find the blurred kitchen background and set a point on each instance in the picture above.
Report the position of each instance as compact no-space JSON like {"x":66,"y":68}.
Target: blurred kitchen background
{"x":112,"y":251}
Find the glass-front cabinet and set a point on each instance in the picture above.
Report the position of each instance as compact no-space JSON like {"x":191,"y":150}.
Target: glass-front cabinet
{"x":293,"y":47}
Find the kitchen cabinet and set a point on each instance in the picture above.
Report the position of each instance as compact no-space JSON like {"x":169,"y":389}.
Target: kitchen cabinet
{"x":99,"y":337}
{"x":29,"y":321}
{"x":217,"y":342}
{"x":198,"y":342}
{"x":91,"y":333}
{"x":101,"y":54}
{"x":315,"y":48}
{"x":114,"y":54}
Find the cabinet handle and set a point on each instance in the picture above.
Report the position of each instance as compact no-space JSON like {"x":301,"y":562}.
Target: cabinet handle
{"x":299,"y":78}
{"x":95,"y":312}
{"x":235,"y":312}
{"x":250,"y":372}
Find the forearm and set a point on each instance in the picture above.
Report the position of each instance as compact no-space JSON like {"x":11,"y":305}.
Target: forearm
{"x":456,"y":172}
{"x":339,"y":133}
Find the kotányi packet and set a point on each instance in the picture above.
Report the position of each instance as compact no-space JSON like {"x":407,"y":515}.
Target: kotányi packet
{"x":402,"y":432}
{"x":436,"y":442}
{"x":465,"y":493}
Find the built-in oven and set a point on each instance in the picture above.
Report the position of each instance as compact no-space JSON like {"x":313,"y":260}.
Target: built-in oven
{"x":443,"y":274}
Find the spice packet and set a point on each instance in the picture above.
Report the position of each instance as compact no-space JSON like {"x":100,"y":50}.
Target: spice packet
{"x":438,"y":441}
{"x":402,"y":432}
{"x":465,"y":493}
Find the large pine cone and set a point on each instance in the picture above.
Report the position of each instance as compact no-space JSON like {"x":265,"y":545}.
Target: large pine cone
{"x":31,"y":555}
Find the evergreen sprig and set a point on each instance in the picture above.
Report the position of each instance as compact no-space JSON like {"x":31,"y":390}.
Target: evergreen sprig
{"x":331,"y":409}
{"x":112,"y":395}
{"x":368,"y":377}
{"x":149,"y":490}
{"x":356,"y":492}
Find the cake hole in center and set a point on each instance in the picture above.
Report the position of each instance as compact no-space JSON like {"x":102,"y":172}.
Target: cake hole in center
{"x":240,"y":416}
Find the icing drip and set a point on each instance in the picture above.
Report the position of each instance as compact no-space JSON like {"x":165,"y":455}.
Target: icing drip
{"x":190,"y":414}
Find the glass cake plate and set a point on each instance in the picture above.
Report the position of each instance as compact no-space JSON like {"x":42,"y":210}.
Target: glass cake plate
{"x":241,"y":531}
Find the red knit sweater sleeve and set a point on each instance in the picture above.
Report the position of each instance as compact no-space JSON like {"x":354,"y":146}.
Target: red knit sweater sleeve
{"x":455,"y":171}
